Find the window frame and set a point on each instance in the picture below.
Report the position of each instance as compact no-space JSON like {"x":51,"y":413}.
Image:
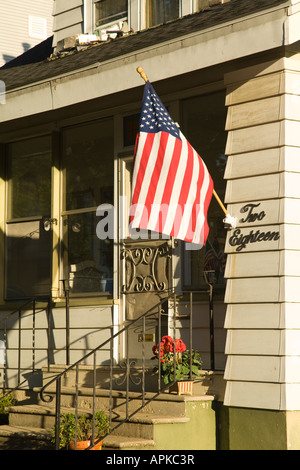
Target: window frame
{"x":136,"y":14}
{"x":110,"y":22}
{"x":81,"y":211}
{"x":38,"y":217}
{"x":149,"y":14}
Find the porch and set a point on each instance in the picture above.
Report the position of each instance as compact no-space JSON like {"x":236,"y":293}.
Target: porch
{"x":166,"y":421}
{"x":143,"y":413}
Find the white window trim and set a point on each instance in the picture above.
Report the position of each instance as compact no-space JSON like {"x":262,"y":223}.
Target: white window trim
{"x":136,"y":17}
{"x":88,"y":17}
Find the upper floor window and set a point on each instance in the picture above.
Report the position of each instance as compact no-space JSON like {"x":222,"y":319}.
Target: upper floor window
{"x":160,"y":11}
{"x":107,"y":11}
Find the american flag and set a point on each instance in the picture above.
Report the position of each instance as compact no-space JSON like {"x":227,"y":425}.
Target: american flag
{"x":171,"y":187}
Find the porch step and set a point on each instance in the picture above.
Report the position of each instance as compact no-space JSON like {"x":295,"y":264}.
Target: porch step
{"x":30,"y":428}
{"x":112,"y":442}
{"x":163,"y":404}
{"x":24,"y":438}
{"x":31,"y":420}
{"x":208,"y":383}
{"x":30,"y":438}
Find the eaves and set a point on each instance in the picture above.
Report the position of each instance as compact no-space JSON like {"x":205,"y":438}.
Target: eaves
{"x":254,"y":33}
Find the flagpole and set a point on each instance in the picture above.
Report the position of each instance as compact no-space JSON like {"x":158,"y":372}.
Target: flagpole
{"x":230,"y":219}
{"x":220,"y":202}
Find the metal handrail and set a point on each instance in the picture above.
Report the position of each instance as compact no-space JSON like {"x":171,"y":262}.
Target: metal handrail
{"x":57,"y":379}
{"x":3,"y":320}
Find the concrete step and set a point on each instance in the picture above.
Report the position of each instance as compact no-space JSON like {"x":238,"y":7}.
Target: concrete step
{"x":30,"y":428}
{"x":140,"y":425}
{"x":30,"y":438}
{"x":24,"y":438}
{"x":164,"y":403}
{"x":207,"y":383}
{"x":33,"y":415}
{"x":85,"y":376}
{"x":30,"y":423}
{"x":121,"y":442}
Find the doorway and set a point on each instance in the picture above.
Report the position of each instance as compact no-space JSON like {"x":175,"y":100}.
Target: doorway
{"x":28,"y":241}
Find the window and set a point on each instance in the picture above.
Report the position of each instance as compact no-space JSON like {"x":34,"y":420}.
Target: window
{"x":107,"y":11}
{"x":130,"y":129}
{"x":87,"y":166}
{"x":203,"y":124}
{"x":28,"y":245}
{"x":160,"y":11}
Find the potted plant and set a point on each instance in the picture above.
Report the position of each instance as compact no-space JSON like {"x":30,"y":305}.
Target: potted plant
{"x":6,"y":401}
{"x":175,"y":353}
{"x":84,"y":431}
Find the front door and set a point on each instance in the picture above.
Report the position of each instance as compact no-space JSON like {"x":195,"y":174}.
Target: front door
{"x":146,"y":274}
{"x":146,"y":263}
{"x":28,"y":225}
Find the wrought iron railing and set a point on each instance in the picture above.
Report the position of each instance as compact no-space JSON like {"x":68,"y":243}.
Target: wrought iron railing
{"x":157,"y":312}
{"x":28,"y":306}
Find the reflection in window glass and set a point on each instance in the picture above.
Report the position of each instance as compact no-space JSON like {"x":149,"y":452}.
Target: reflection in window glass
{"x":107,"y":11}
{"x":29,"y":176}
{"x":87,"y":259}
{"x":88,"y":182}
{"x":28,"y":260}
{"x":28,"y":245}
{"x":203,"y":124}
{"x":88,"y":165}
{"x":160,"y":11}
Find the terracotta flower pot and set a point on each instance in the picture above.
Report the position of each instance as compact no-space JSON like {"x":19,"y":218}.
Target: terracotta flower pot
{"x":182,"y":387}
{"x":82,"y":445}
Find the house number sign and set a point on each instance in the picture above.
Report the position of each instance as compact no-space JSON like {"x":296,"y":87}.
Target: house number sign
{"x":252,"y":213}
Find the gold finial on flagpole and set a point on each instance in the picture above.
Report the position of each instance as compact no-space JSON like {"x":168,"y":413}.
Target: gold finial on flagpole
{"x":142,"y":73}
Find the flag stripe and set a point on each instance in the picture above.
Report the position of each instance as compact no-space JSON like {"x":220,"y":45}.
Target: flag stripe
{"x":171,"y":183}
{"x":184,"y":196}
{"x":140,"y":163}
{"x":178,"y":181}
{"x":146,"y":154}
{"x":161,"y":200}
{"x":162,"y":140}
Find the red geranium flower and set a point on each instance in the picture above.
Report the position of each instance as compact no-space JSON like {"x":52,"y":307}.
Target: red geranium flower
{"x":179,"y":345}
{"x":167,"y":343}
{"x":156,"y":349}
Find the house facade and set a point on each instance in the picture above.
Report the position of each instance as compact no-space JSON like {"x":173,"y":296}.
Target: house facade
{"x":23,"y":26}
{"x":228,"y":73}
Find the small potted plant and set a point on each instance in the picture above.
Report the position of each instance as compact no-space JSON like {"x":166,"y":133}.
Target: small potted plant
{"x":6,"y":401}
{"x":84,"y":431}
{"x":175,"y":353}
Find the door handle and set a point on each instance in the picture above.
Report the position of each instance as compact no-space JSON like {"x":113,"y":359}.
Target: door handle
{"x":48,"y":222}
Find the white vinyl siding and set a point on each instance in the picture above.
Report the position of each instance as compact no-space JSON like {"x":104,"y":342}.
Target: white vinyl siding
{"x":68,"y":18}
{"x":23,"y":25}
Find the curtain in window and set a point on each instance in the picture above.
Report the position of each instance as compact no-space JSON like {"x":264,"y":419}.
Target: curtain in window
{"x":160,"y":11}
{"x":107,"y":11}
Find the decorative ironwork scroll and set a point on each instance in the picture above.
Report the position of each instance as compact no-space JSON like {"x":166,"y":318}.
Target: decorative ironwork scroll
{"x":146,"y":268}
{"x":128,"y":367}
